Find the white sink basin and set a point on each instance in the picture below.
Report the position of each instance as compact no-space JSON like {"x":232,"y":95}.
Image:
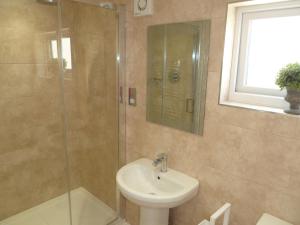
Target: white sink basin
{"x":146,"y":186}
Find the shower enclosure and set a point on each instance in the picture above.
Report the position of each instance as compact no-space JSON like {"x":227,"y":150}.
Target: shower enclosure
{"x":61,"y":133}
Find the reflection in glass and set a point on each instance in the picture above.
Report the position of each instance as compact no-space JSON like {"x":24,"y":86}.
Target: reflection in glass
{"x":177,"y":71}
{"x":66,"y":51}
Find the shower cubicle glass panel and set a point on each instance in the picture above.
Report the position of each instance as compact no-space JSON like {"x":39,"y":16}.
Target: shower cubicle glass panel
{"x":59,"y":112}
{"x":90,"y":90}
{"x":33,"y":177}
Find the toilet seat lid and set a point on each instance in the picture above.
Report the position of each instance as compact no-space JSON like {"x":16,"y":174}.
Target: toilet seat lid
{"x":268,"y":219}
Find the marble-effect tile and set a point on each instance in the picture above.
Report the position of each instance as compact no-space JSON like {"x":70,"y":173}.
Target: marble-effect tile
{"x":244,"y":156}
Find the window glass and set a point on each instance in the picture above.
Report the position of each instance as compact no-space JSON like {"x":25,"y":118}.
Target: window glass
{"x":272,"y":44}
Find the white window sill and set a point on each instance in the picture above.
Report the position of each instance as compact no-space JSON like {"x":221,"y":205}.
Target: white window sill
{"x":257,"y":108}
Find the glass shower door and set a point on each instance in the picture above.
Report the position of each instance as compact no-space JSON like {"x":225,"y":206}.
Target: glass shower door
{"x":59,"y":112}
{"x":90,"y":90}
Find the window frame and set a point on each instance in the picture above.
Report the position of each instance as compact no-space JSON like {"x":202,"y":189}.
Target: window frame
{"x":232,"y":88}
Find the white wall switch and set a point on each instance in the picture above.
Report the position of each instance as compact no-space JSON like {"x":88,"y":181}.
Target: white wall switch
{"x":132,"y":96}
{"x":143,"y":7}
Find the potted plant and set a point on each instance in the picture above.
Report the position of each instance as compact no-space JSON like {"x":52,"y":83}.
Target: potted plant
{"x":289,"y":78}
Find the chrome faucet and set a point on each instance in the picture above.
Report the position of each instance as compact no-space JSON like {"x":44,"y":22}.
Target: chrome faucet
{"x":162,"y":159}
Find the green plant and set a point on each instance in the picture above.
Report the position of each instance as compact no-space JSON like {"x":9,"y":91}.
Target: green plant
{"x":289,"y":77}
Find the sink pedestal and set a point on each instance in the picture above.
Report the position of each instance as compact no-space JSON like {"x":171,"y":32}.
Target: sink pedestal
{"x":154,"y":216}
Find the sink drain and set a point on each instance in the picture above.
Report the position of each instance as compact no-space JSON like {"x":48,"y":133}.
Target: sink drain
{"x":152,"y":193}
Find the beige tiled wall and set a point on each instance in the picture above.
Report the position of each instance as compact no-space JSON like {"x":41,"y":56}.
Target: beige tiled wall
{"x":248,"y":158}
{"x":32,"y":159}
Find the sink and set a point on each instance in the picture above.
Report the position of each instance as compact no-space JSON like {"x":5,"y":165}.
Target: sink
{"x":154,"y":191}
{"x":145,"y":185}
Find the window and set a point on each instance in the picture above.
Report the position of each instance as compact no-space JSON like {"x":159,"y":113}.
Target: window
{"x":261,"y":38}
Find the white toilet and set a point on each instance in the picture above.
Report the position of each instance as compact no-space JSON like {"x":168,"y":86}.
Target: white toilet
{"x":267,"y":219}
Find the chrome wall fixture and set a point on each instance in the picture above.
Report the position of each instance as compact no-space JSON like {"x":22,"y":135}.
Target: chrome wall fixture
{"x":49,"y":2}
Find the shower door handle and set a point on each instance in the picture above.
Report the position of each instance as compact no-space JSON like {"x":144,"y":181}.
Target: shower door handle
{"x":121,"y":94}
{"x":189,"y":105}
